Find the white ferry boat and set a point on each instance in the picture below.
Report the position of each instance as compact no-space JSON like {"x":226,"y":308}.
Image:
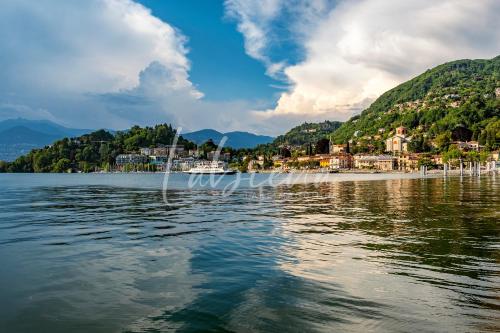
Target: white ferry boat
{"x":211,"y":168}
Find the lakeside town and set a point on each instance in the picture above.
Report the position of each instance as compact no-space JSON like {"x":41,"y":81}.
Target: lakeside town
{"x":337,"y":158}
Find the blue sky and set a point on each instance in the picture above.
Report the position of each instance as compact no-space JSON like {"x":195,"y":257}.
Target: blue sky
{"x":254,"y":65}
{"x":219,"y":66}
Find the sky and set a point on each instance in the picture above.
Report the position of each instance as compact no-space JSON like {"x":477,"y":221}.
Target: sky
{"x":262,"y":66}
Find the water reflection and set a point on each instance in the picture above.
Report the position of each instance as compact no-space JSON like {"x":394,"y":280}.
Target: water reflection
{"x":439,"y":237}
{"x":397,"y":254}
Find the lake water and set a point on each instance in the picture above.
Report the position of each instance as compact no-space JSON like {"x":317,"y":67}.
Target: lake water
{"x":356,"y":253}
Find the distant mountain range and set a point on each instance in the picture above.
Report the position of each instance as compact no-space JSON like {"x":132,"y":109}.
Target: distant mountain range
{"x":43,"y":126}
{"x":234,"y":139}
{"x":19,"y":136}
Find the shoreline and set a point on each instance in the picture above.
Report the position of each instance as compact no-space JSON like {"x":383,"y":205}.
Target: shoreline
{"x":312,"y":172}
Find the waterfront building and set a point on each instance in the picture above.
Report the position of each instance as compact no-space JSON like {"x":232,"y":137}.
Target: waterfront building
{"x":160,"y":162}
{"x":408,"y":162}
{"x":183,"y":164}
{"x":158,"y":159}
{"x":324,"y":162}
{"x":280,"y":163}
{"x":255,"y":164}
{"x":124,"y":159}
{"x":341,"y":161}
{"x":379,"y":162}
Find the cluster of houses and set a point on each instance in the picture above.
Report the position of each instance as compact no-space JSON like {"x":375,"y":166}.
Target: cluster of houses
{"x":346,"y":161}
{"x":396,"y":158}
{"x":159,"y":157}
{"x":339,"y":157}
{"x":156,"y":157}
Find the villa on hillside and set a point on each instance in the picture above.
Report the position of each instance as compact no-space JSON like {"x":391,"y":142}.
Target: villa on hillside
{"x":212,"y":155}
{"x":163,"y":150}
{"x":336,"y":149}
{"x":468,"y":145}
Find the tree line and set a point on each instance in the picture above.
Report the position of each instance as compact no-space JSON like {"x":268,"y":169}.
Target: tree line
{"x":93,"y":152}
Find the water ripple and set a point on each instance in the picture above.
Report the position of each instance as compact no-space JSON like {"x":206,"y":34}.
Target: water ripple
{"x":385,"y":255}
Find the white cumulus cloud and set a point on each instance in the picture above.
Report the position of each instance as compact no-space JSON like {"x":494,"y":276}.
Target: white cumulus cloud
{"x":356,"y":50}
{"x":58,"y":56}
{"x":255,"y":20}
{"x":111,"y":63}
{"x":103,"y":63}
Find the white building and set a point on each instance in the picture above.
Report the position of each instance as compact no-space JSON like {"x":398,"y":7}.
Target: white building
{"x":341,"y":161}
{"x":124,"y":159}
{"x":397,"y":143}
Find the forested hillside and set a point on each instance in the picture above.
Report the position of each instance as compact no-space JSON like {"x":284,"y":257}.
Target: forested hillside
{"x":459,"y":100}
{"x":307,"y":133}
{"x":304,"y":137}
{"x":93,"y":151}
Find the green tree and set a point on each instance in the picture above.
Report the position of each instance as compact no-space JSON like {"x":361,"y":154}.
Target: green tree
{"x":452,"y":154}
{"x":443,"y":141}
{"x":426,"y":161}
{"x":63,"y":165}
{"x":4,"y":166}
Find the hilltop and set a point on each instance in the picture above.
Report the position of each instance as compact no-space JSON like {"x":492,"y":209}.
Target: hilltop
{"x":307,"y":133}
{"x":459,"y":100}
